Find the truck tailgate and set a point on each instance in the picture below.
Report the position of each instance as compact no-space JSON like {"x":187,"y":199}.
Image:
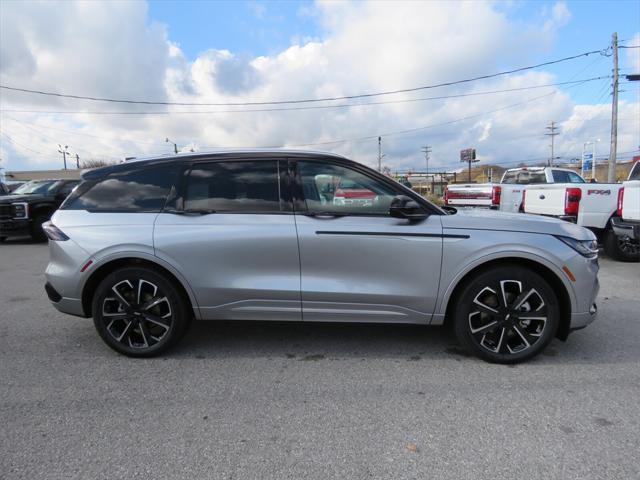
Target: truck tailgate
{"x":545,"y":200}
{"x":469,"y":194}
{"x":631,"y":200}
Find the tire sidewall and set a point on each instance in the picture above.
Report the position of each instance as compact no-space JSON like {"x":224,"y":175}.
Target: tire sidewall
{"x":477,"y":283}
{"x":180,"y":319}
{"x":612,"y":249}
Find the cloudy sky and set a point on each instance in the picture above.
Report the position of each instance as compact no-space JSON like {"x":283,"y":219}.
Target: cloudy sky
{"x":248,"y":52}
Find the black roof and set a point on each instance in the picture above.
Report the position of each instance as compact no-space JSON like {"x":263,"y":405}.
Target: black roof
{"x":253,"y":154}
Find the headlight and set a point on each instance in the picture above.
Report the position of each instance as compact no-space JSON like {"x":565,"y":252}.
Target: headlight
{"x":20,"y":210}
{"x":586,"y":248}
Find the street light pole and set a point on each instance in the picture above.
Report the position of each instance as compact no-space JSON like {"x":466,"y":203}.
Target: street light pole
{"x":175,"y":146}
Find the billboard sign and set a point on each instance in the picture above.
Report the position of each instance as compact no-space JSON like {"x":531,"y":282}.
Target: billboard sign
{"x":468,"y":155}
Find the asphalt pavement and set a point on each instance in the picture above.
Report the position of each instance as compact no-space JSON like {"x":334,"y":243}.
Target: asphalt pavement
{"x":278,"y":400}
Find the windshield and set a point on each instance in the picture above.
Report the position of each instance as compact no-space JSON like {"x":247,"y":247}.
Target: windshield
{"x":43,"y":187}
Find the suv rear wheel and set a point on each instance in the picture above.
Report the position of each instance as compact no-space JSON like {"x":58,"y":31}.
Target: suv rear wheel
{"x":506,"y":315}
{"x":139,"y":313}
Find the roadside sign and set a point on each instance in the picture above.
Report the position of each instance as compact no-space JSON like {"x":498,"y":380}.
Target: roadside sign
{"x":468,"y":155}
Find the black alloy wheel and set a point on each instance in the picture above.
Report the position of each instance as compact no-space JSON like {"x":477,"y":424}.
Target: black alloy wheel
{"x":506,"y":315}
{"x":139,"y":313}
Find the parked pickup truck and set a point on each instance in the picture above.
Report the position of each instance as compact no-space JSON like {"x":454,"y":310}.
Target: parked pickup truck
{"x":507,"y":195}
{"x":24,"y":210}
{"x":626,"y":223}
{"x":596,"y":206}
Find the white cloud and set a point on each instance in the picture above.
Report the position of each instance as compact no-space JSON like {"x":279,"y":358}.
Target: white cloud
{"x":112,"y":50}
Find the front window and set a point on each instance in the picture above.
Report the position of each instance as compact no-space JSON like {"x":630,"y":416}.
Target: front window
{"x":37,"y":187}
{"x":332,"y":188}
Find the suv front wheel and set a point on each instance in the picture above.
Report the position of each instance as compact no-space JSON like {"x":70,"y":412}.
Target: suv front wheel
{"x":506,"y":315}
{"x":139,"y":313}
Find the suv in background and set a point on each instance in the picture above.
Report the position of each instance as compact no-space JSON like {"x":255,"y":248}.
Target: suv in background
{"x":145,"y":246}
{"x":23,"y":211}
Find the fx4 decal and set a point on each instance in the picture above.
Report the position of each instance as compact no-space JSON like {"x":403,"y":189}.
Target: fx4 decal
{"x":598,"y":192}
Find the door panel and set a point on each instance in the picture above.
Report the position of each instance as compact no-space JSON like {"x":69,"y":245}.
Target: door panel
{"x":232,"y":234}
{"x":358,"y":264}
{"x":369,"y":269}
{"x":240,"y":266}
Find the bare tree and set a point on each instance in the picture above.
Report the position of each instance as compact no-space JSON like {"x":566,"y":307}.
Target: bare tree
{"x":94,"y":163}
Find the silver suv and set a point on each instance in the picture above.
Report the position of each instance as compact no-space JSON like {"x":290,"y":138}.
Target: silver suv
{"x":146,"y":246}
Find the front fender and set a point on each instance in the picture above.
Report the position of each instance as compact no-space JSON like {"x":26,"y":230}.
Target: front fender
{"x":463,"y":256}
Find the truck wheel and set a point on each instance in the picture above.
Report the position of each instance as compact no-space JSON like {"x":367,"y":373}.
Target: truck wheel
{"x":623,"y":249}
{"x":508,"y":314}
{"x":36,"y":228}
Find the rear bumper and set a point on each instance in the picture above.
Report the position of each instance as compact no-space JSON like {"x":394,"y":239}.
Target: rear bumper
{"x":72,"y":306}
{"x":15,"y":228}
{"x":626,"y":228}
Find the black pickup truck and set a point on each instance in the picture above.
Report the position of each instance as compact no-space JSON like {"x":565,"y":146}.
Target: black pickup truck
{"x":24,"y":210}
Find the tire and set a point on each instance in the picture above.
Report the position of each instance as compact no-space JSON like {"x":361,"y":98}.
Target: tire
{"x":138,"y":312}
{"x":621,"y":249}
{"x":37,"y":233}
{"x":2,"y":239}
{"x":512,"y":334}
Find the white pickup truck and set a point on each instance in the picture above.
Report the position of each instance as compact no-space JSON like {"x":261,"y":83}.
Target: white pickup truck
{"x":507,"y":195}
{"x":626,"y":223}
{"x":590,"y":205}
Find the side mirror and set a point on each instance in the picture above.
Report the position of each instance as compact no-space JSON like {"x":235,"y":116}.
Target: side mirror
{"x":405,"y":207}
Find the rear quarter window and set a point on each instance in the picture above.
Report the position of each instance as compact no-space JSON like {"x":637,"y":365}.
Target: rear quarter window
{"x":143,"y":189}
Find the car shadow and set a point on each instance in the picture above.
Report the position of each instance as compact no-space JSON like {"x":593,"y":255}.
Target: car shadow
{"x":316,"y":341}
{"x":335,"y":341}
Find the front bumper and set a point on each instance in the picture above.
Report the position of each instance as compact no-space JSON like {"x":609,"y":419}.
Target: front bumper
{"x":15,"y":227}
{"x":581,"y":320}
{"x":626,"y":228}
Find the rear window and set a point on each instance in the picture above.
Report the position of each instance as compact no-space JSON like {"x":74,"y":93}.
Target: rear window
{"x":234,"y":186}
{"x":134,"y":190}
{"x":635,"y":172}
{"x":524,"y":177}
{"x":562,"y":176}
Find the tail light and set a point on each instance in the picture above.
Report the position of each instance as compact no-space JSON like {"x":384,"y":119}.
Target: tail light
{"x":572,"y":199}
{"x":446,"y":195}
{"x":496,"y":194}
{"x":53,"y":232}
{"x":620,"y":200}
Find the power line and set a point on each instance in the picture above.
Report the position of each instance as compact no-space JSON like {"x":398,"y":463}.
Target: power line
{"x":411,"y":130}
{"x":18,"y":144}
{"x":315,"y":107}
{"x":308,"y":100}
{"x":70,"y":132}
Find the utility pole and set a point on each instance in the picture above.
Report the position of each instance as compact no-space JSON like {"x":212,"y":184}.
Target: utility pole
{"x":427,"y":155}
{"x":611,"y":177}
{"x":380,"y":154}
{"x":553,"y":131}
{"x":77,"y":161}
{"x":64,"y":153}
